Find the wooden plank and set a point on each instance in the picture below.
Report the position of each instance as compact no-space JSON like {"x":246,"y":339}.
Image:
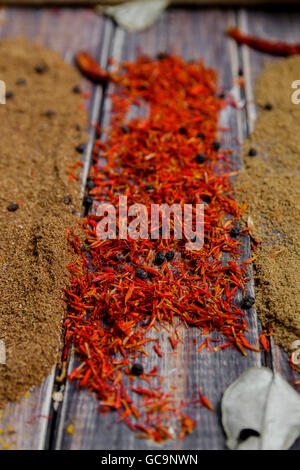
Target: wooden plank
{"x":28,"y":418}
{"x":282,"y":26}
{"x":192,"y":34}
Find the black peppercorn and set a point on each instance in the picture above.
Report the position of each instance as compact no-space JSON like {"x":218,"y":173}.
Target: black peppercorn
{"x":21,"y":82}
{"x":170,"y":255}
{"x":182,"y":130}
{"x":13,"y":206}
{"x":240,"y":72}
{"x":216,"y":145}
{"x":206,"y":200}
{"x":252,"y":152}
{"x":87,"y":201}
{"x":149,"y":187}
{"x":221,"y":96}
{"x":201,"y":135}
{"x":234,"y":232}
{"x":9,"y":95}
{"x":247,"y":301}
{"x":90,"y":183}
{"x":137,"y":369}
{"x":40,"y":68}
{"x":80,"y":148}
{"x":76,"y":89}
{"x":159,"y":258}
{"x":268,"y":106}
{"x":200,"y":158}
{"x":67,"y":200}
{"x":141,"y":274}
{"x":162,"y":55}
{"x":125,"y":129}
{"x":50,"y":113}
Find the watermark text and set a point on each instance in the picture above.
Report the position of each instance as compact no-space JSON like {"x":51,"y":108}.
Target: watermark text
{"x":158,"y":221}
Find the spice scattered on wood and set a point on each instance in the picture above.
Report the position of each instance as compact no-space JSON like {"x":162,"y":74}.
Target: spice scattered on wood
{"x":123,"y":288}
{"x":270,"y":186}
{"x":34,"y":159}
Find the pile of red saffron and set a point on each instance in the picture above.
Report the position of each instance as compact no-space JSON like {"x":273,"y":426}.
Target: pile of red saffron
{"x":111,"y":307}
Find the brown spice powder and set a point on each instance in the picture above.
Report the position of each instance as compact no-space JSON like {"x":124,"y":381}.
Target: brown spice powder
{"x":271,"y":184}
{"x":37,"y":150}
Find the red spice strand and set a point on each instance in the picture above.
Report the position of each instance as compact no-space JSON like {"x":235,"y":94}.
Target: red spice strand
{"x":206,"y":402}
{"x":263,"y":45}
{"x":152,"y":159}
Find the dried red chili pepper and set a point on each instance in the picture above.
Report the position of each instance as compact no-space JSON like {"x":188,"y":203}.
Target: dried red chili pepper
{"x":90,"y":68}
{"x":263,"y":45}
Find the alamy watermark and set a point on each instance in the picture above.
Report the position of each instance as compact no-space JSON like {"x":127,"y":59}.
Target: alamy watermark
{"x":176,"y":221}
{"x":296,"y":94}
{"x":2,"y":352}
{"x":2,"y":92}
{"x":296,"y":352}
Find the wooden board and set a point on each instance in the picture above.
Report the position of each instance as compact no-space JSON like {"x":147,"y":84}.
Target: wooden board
{"x":191,"y":33}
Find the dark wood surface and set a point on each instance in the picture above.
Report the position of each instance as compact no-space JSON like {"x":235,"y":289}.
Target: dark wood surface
{"x":191,"y":33}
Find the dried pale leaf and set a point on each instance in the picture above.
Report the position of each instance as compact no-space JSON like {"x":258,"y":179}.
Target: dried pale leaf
{"x":252,"y":443}
{"x":282,"y":427}
{"x":136,"y":16}
{"x":264,"y":403}
{"x":242,"y":403}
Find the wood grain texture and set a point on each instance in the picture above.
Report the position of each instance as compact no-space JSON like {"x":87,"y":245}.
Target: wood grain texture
{"x":29,"y":418}
{"x":190,"y":35}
